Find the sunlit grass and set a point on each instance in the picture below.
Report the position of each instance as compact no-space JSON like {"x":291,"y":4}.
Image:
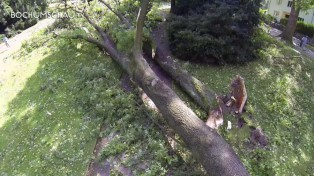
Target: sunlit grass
{"x":14,"y":76}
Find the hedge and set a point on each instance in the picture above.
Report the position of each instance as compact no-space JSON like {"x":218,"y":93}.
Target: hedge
{"x":302,"y":28}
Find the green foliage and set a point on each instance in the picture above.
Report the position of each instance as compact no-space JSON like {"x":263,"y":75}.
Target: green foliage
{"x":153,"y":16}
{"x":62,"y":23}
{"x":216,"y":33}
{"x":183,"y":7}
{"x":125,"y":39}
{"x":284,"y":21}
{"x":305,"y":29}
{"x":129,"y":128}
{"x":302,"y":28}
{"x":266,"y":18}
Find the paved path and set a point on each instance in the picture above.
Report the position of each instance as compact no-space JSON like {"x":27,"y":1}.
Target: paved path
{"x":16,"y":41}
{"x":296,"y":42}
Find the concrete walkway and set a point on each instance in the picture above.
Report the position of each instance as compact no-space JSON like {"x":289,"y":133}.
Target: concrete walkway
{"x":16,"y":41}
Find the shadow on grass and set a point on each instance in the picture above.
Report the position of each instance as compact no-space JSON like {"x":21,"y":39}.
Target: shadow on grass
{"x":45,"y":133}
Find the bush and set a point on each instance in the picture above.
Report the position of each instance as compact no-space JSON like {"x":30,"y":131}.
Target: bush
{"x":267,"y":18}
{"x":62,"y":23}
{"x":215,"y":33}
{"x":284,"y":21}
{"x":20,"y":25}
{"x":306,"y":29}
{"x":30,"y":22}
{"x":302,"y":28}
{"x":184,"y":6}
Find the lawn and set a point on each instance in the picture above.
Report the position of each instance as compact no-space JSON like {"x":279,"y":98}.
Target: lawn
{"x":41,"y":130}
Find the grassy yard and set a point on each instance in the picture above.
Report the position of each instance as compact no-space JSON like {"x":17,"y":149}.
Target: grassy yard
{"x":41,"y":130}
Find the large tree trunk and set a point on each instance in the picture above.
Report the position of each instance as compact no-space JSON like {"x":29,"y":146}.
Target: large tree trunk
{"x":292,"y":23}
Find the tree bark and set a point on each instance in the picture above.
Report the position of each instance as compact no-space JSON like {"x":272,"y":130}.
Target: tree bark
{"x":292,"y":23}
{"x":203,"y":96}
{"x":209,"y":148}
{"x":173,"y":6}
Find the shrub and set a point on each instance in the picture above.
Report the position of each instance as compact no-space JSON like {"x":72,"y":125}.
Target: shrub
{"x":215,"y":33}
{"x":184,"y":6}
{"x":30,"y":22}
{"x":20,"y":25}
{"x":284,"y":21}
{"x":306,"y":29}
{"x":267,"y":18}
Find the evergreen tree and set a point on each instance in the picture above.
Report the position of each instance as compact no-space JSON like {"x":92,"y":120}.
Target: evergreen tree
{"x":215,"y":32}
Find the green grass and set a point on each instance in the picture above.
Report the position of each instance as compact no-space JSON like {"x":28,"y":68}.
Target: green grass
{"x":42,"y":132}
{"x":280,"y":94}
{"x":53,"y":104}
{"x":310,"y":47}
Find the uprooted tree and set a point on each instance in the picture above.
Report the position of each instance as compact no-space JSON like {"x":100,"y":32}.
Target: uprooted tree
{"x":207,"y":146}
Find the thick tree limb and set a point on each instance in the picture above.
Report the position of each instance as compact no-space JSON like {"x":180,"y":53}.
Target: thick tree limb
{"x":109,"y":46}
{"x":88,"y":39}
{"x":137,"y":49}
{"x":119,"y":15}
{"x":203,"y":96}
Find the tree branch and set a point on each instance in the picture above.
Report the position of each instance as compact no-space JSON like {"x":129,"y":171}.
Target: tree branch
{"x":119,"y":15}
{"x":92,"y":40}
{"x":203,"y":96}
{"x":139,"y":28}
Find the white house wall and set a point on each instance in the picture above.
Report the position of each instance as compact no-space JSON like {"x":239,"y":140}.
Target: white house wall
{"x":279,"y":8}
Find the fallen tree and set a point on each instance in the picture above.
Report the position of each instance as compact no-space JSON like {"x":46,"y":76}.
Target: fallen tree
{"x":208,"y":147}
